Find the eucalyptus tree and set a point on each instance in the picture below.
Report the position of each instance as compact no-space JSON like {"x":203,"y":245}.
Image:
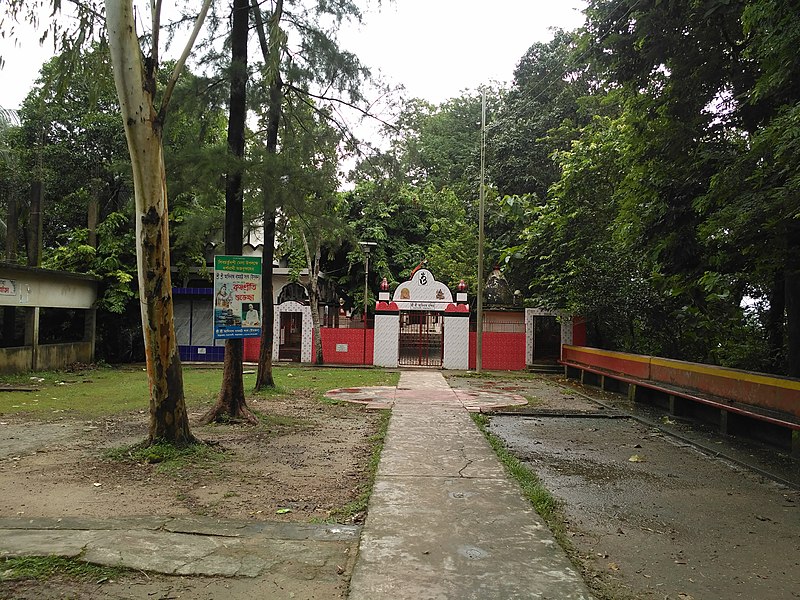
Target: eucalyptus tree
{"x":144,"y":107}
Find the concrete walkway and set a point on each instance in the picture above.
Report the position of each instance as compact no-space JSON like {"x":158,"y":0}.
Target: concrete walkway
{"x":179,"y":546}
{"x":444,"y":520}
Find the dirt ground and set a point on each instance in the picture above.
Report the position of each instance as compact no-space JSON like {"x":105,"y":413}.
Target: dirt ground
{"x":650,"y":515}
{"x":674,"y":523}
{"x":306,"y":460}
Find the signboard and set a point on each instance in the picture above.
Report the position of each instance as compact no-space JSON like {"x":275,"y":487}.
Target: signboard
{"x":422,"y":293}
{"x":423,"y":306}
{"x":237,"y":297}
{"x":8,"y":287}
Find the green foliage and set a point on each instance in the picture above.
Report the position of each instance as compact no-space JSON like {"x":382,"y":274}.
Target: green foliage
{"x":169,"y":457}
{"x":652,"y":189}
{"x":545,"y":504}
{"x":535,"y":118}
{"x":358,"y":507}
{"x":113,"y":261}
{"x":71,"y":140}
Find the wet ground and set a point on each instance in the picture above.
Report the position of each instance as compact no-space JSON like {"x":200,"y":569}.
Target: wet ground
{"x":654,"y":516}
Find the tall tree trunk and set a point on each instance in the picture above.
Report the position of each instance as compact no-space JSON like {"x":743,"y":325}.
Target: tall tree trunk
{"x":793,"y":298}
{"x":776,"y":321}
{"x":313,"y":280}
{"x":231,"y":402}
{"x":264,"y":378}
{"x":34,"y":233}
{"x":93,"y":209}
{"x":271,"y":53}
{"x":12,"y":227}
{"x":12,"y":231}
{"x":143,"y":129}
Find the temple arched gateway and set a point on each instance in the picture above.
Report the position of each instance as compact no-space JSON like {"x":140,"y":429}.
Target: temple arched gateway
{"x":421,"y":326}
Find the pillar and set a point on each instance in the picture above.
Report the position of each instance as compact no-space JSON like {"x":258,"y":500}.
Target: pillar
{"x":456,"y":340}
{"x":386,"y":344}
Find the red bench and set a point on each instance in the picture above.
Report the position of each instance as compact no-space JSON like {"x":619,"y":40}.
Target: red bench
{"x":766,"y":398}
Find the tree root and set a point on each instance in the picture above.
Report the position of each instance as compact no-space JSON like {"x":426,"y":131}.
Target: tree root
{"x":221,"y":413}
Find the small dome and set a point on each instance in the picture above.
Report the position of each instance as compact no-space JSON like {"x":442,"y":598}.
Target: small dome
{"x":497,"y":291}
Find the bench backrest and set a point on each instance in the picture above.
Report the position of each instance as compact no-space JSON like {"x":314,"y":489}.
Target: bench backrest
{"x":756,"y":389}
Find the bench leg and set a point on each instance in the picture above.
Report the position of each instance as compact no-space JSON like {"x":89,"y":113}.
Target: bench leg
{"x":796,"y":443}
{"x":723,"y":422}
{"x":632,"y":392}
{"x":677,"y":405}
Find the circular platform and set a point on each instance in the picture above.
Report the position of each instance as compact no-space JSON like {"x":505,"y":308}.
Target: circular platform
{"x":385,"y":396}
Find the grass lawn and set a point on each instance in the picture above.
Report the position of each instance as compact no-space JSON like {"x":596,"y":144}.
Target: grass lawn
{"x":107,"y":391}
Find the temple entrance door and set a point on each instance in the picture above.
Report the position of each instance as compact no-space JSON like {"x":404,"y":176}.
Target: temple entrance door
{"x":421,"y":339}
{"x":546,"y":340}
{"x":291,"y":342}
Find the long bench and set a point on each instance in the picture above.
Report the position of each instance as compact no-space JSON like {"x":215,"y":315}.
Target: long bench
{"x":683,"y":386}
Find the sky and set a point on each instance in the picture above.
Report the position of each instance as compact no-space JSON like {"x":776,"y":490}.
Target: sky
{"x":434,"y":48}
{"x":437,"y":48}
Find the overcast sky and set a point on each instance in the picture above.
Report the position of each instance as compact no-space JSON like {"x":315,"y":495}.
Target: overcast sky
{"x":435,"y":48}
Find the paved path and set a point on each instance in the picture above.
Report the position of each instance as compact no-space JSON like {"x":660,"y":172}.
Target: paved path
{"x":178,"y":546}
{"x":444,"y":520}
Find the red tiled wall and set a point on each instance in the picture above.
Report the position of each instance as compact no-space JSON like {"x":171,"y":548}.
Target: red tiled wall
{"x":354,"y":338}
{"x":251,"y":349}
{"x":578,"y":331}
{"x":501,"y":351}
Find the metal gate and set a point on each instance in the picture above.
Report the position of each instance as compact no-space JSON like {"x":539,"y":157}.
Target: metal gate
{"x":421,"y":339}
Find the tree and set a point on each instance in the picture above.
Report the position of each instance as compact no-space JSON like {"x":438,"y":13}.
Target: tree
{"x":296,"y":75}
{"x":311,"y":203}
{"x":135,"y":80}
{"x":143,"y":115}
{"x":9,"y":168}
{"x":231,"y":402}
{"x":536,"y":117}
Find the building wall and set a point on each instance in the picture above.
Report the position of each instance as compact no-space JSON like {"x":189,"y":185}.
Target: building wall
{"x":339,"y":347}
{"x":345,"y":346}
{"x":387,"y":337}
{"x":32,"y":289}
{"x":50,"y":357}
{"x":16,"y":360}
{"x":501,"y":351}
{"x":27,"y":286}
{"x":456,"y":342}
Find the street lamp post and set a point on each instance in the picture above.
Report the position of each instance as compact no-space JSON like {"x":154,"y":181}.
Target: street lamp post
{"x":479,"y":327}
{"x":367,"y":248}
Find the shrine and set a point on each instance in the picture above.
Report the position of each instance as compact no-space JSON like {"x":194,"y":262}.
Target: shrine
{"x":421,"y":326}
